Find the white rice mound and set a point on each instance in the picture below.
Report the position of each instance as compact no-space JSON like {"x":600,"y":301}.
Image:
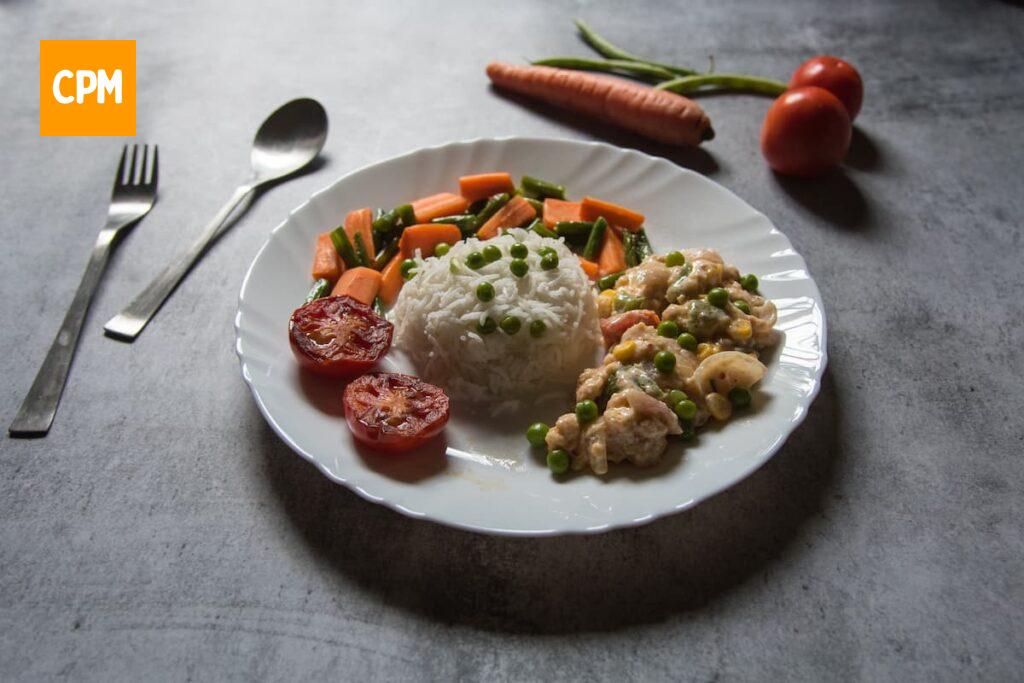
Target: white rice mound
{"x":437,"y":312}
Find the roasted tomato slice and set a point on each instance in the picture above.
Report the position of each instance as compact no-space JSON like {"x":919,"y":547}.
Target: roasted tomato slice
{"x":394,"y":413}
{"x":338,"y":336}
{"x":614,"y":327}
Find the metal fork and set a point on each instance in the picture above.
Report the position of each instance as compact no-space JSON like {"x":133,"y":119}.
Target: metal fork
{"x":133,"y":196}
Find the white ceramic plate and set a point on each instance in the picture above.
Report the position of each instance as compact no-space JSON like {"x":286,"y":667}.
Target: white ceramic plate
{"x":482,"y":475}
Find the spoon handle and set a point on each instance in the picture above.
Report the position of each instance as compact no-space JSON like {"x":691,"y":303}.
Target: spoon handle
{"x":129,"y":323}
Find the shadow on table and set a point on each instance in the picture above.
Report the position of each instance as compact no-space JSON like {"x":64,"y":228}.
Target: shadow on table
{"x":575,"y":583}
{"x":694,"y":158}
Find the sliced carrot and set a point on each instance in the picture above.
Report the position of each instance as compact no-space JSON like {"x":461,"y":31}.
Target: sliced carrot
{"x":391,"y":280}
{"x":326,"y":262}
{"x":360,"y":222}
{"x":516,"y":212}
{"x":589,"y":267}
{"x":557,"y":211}
{"x":656,"y":114}
{"x":483,"y":185}
{"x":362,"y":284}
{"x":426,"y":237}
{"x":591,"y":209}
{"x":438,"y":205}
{"x":612,"y":258}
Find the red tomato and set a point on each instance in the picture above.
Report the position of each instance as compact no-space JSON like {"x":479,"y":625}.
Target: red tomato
{"x":806,"y":132}
{"x":614,"y":327}
{"x":338,"y":336}
{"x":394,"y":413}
{"x":834,"y":75}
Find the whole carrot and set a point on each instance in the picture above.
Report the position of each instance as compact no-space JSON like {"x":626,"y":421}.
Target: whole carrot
{"x":656,"y":114}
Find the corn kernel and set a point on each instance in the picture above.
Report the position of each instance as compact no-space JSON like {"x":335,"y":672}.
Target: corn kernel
{"x":704,"y":349}
{"x":740,"y":330}
{"x":624,"y":352}
{"x":608,"y":293}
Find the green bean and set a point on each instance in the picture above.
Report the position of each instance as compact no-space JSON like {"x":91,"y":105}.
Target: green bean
{"x":595,"y":239}
{"x":344,"y":248}
{"x":538,"y":227}
{"x":320,"y":289}
{"x":538,"y":206}
{"x":648,"y":72}
{"x":628,"y":241}
{"x":407,"y":214}
{"x":491,"y":207}
{"x":361,"y":253}
{"x":465,"y":222}
{"x":543,"y":188}
{"x":606,"y":49}
{"x":609,"y":280}
{"x":385,"y":222}
{"x":730,"y":82}
{"x":570,"y":228}
{"x":385,"y":255}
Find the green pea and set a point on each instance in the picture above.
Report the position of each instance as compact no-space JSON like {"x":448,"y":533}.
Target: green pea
{"x":685,"y":409}
{"x":688,"y":432}
{"x":558,"y":461}
{"x":718,"y":297}
{"x":442,"y":249}
{"x":491,"y":253}
{"x":537,"y":328}
{"x":486,"y":325}
{"x":739,"y":397}
{"x":675,"y":396}
{"x":518,"y":250}
{"x":407,"y":265}
{"x":667,"y":328}
{"x":518,"y":267}
{"x":536,"y":433}
{"x":586,"y":411}
{"x":749,"y":282}
{"x":475,"y":260}
{"x":485,"y":291}
{"x":665,"y":361}
{"x":674,"y":258}
{"x":687,"y":341}
{"x":546,"y":250}
{"x":742,"y":305}
{"x":510,"y":324}
{"x":549,"y":261}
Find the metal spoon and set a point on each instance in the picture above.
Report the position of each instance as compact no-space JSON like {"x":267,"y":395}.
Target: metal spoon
{"x":287,"y":141}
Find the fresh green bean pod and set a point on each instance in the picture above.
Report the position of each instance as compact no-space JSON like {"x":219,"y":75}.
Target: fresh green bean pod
{"x":362,"y":253}
{"x":609,"y":280}
{"x":386,"y":254}
{"x":571,"y":228}
{"x":641,"y":245}
{"x":648,"y":72}
{"x":595,"y":239}
{"x":606,"y":49}
{"x":491,"y":207}
{"x":628,"y":244}
{"x":730,"y":82}
{"x":385,"y":222}
{"x":406,"y":214}
{"x":542,"y":188}
{"x":320,"y":289}
{"x":544,"y":231}
{"x":465,"y":222}
{"x":344,"y":248}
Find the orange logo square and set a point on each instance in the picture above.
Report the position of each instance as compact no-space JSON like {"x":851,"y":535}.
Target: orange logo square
{"x":87,"y":87}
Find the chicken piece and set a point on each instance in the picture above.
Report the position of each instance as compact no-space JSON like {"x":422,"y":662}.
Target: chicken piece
{"x":648,"y":281}
{"x":591,"y":382}
{"x":614,"y":327}
{"x":636,"y":427}
{"x":593,"y":448}
{"x":762,"y":317}
{"x":707,"y":269}
{"x":648,"y":342}
{"x":565,"y":434}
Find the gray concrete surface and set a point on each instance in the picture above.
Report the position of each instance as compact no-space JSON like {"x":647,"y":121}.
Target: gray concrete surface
{"x":161,"y":531}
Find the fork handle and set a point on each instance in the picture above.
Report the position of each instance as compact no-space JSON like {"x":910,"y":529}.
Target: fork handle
{"x":40,"y":405}
{"x":129,"y":323}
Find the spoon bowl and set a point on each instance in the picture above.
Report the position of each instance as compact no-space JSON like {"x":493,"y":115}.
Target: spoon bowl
{"x":289,"y":139}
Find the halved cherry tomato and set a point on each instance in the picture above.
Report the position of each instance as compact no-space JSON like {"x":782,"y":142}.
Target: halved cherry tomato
{"x":614,"y":327}
{"x":394,"y":413}
{"x":835,"y":75}
{"x":806,"y":132}
{"x":338,"y":336}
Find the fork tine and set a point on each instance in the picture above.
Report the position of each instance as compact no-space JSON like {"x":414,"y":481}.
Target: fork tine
{"x":142,"y":166}
{"x":156,"y":167}
{"x":131,"y":172}
{"x":119,"y":178}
